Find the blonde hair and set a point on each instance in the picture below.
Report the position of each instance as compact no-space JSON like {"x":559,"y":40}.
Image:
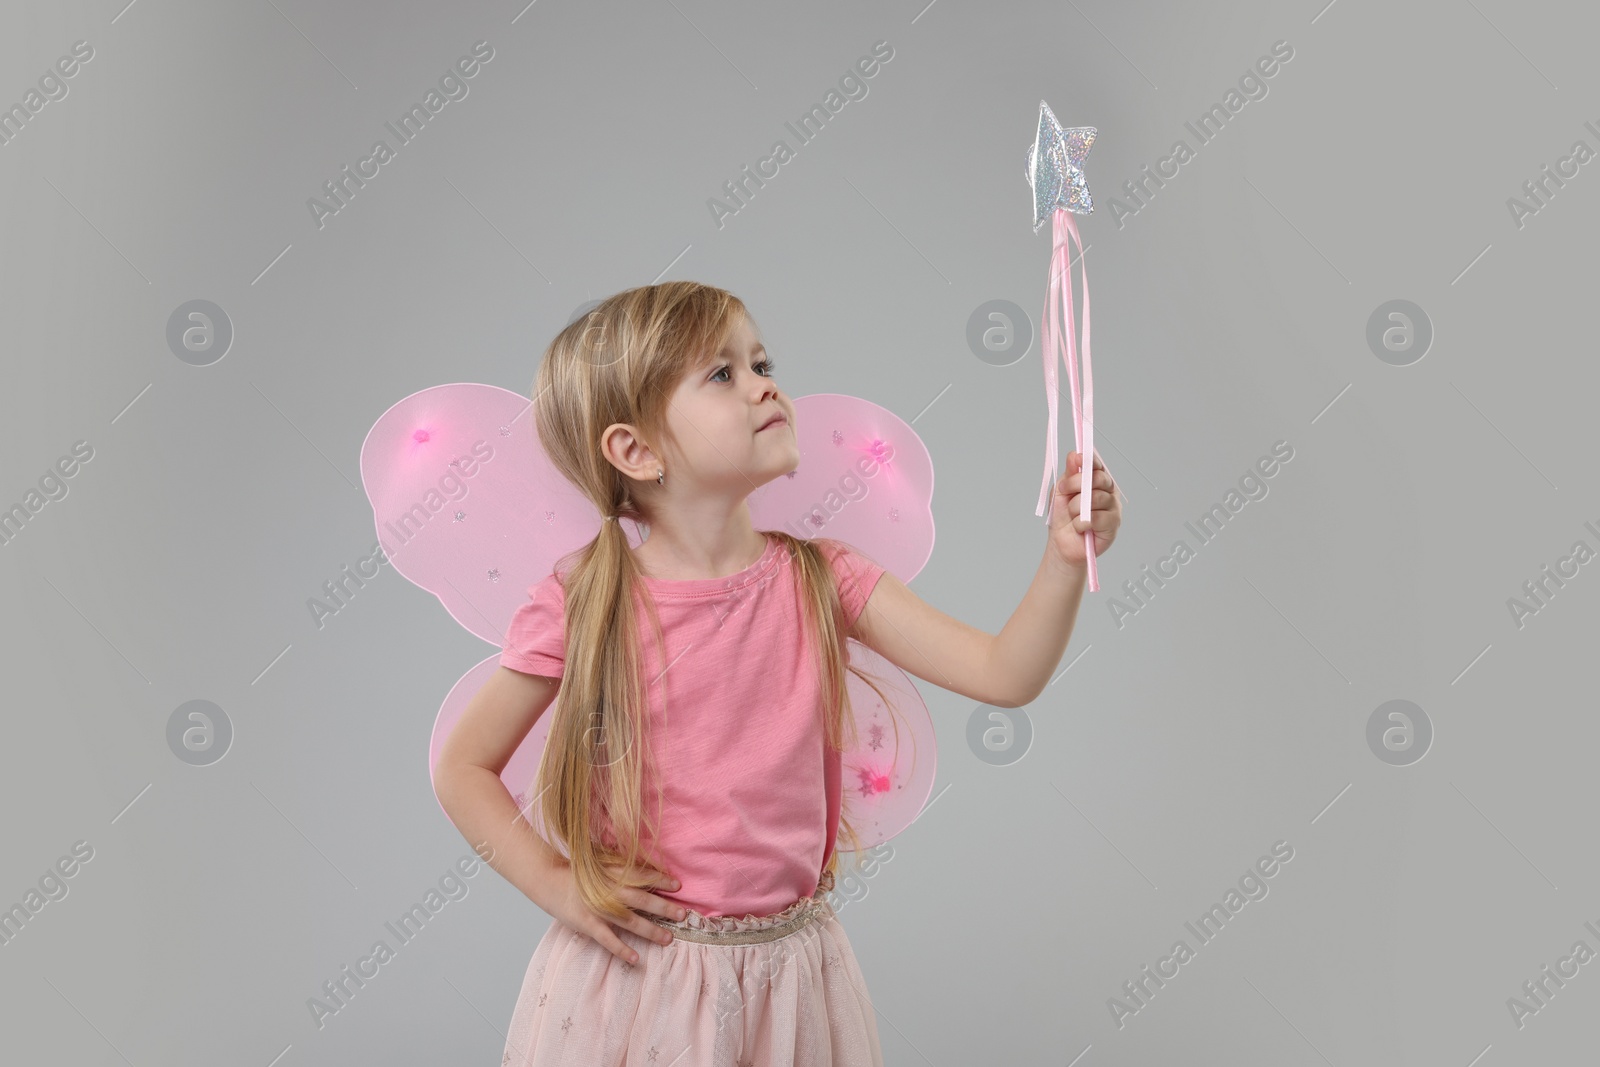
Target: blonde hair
{"x":620,"y":363}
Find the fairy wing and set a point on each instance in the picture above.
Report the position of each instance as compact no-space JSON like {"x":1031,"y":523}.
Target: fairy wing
{"x":468,"y":507}
{"x":865,"y":478}
{"x":466,"y":503}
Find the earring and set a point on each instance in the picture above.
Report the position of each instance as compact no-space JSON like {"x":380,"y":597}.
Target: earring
{"x":661,"y":476}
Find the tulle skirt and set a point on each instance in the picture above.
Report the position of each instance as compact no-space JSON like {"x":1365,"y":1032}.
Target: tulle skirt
{"x":757,"y":991}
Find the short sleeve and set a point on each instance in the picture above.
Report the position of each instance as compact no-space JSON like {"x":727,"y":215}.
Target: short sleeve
{"x":536,"y":638}
{"x":855,"y":574}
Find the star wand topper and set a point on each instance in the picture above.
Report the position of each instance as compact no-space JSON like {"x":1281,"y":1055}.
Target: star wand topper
{"x":1060,"y":190}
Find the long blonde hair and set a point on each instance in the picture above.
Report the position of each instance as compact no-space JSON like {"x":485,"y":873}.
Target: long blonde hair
{"x":620,"y":363}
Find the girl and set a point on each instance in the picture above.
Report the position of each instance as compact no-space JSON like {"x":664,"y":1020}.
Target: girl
{"x":693,"y":930}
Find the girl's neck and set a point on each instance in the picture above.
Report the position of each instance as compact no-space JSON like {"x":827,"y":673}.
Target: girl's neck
{"x":701,"y":566}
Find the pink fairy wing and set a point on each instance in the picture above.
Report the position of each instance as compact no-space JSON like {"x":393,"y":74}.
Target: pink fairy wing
{"x":887,"y":776}
{"x":468,"y":506}
{"x":466,"y":502}
{"x":520,"y":771}
{"x":865,"y":478}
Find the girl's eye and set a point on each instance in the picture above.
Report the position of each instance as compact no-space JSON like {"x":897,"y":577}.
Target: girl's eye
{"x":769,"y":364}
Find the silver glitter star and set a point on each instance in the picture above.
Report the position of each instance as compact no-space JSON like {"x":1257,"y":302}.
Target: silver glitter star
{"x":1055,"y":167}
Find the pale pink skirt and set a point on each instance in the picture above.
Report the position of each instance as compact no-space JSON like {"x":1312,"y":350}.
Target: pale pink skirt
{"x":797,"y":1001}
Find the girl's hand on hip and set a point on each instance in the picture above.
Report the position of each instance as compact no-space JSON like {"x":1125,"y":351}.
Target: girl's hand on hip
{"x":566,"y":904}
{"x":1105,"y":511}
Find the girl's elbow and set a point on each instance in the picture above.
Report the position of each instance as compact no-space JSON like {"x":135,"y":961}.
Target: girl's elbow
{"x":1011,"y":700}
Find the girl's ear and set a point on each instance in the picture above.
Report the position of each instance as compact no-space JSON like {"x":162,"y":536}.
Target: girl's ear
{"x":624,"y":450}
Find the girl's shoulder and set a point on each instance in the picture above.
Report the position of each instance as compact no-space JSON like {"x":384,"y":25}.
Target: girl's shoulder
{"x":855,"y":574}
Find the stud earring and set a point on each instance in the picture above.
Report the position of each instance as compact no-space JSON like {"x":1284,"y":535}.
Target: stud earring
{"x":661,"y":476}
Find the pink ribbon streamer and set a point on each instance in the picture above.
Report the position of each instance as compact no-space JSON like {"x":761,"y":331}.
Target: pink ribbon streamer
{"x":1058,"y":301}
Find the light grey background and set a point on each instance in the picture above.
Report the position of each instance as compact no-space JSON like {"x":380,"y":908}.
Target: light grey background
{"x":1230,"y":313}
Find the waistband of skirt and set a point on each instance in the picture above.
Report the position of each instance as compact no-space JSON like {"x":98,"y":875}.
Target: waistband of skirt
{"x":748,"y":929}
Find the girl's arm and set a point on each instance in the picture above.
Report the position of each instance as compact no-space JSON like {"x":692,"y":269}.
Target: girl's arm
{"x":1007,"y":670}
{"x":467,"y":776}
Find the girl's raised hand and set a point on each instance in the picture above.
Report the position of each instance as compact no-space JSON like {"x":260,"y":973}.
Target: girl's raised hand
{"x":565,"y":904}
{"x":1105,"y":511}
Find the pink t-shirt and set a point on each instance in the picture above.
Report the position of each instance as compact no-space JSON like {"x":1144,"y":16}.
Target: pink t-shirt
{"x":751,"y":796}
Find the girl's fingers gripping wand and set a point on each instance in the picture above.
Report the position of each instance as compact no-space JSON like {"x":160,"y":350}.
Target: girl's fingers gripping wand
{"x":1055,"y":170}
